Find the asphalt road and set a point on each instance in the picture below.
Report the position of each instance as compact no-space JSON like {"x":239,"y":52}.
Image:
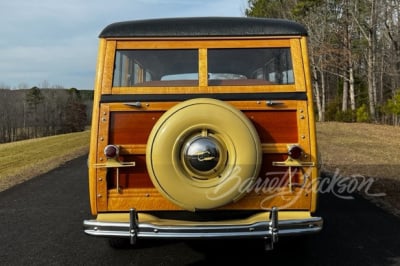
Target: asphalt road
{"x":41,"y":224}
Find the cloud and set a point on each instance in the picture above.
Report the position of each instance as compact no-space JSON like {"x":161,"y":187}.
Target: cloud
{"x":57,"y":41}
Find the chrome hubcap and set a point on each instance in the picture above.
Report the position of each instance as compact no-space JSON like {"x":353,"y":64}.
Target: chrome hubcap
{"x":202,"y":154}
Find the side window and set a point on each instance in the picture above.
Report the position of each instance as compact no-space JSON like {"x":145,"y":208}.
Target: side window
{"x":155,"y":67}
{"x":128,"y":71}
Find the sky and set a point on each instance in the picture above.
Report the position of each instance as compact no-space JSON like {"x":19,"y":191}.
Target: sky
{"x":53,"y":43}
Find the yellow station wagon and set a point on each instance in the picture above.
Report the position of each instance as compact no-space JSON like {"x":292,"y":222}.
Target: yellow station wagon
{"x":203,"y":128}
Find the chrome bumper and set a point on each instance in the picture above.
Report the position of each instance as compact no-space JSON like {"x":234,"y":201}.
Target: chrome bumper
{"x":266,"y":225}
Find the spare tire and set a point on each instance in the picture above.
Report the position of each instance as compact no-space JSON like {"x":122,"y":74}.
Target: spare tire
{"x":203,"y":154}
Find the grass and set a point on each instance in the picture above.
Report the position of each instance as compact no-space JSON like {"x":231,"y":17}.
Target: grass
{"x":358,"y":148}
{"x":364,"y":150}
{"x":25,"y":159}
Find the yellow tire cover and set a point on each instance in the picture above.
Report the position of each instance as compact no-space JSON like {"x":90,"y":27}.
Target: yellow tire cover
{"x":203,"y":154}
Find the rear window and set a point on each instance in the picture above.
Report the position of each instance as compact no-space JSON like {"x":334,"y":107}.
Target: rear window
{"x":180,"y":67}
{"x":251,"y":66}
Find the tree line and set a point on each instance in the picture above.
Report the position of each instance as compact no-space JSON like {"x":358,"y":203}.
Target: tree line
{"x":354,"y":48}
{"x":35,"y":112}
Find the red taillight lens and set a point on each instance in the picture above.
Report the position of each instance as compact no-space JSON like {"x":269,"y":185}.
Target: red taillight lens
{"x":295,"y":152}
{"x":111,"y":151}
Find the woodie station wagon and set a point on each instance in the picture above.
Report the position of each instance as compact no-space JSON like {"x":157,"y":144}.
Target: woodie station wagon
{"x":203,"y":127}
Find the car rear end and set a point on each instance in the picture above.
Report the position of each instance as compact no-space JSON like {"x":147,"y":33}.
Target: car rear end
{"x":203,"y":128}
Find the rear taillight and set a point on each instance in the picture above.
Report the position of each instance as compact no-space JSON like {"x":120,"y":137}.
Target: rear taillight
{"x":295,"y":152}
{"x":111,"y":151}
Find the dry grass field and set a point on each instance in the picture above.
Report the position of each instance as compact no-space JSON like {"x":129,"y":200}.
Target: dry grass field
{"x":364,"y":151}
{"x":349,"y":149}
{"x":22,"y":160}
{"x":357,"y":148}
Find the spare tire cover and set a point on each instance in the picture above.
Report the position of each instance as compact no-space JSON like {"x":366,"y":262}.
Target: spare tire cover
{"x":203,"y":153}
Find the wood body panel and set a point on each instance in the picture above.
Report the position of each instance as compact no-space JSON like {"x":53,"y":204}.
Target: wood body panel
{"x":132,"y":127}
{"x":152,"y":200}
{"x":135,"y":127}
{"x":288,"y":122}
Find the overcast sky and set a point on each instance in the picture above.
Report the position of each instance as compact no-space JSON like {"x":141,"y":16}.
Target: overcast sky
{"x":55,"y":42}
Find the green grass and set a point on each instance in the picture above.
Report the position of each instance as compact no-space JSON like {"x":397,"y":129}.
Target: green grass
{"x":22,"y":160}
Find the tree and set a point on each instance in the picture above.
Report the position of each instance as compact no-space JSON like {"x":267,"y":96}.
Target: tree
{"x":366,"y":20}
{"x":391,"y":56}
{"x":392,"y":108}
{"x":354,"y":45}
{"x":34,"y":99}
{"x":270,"y":8}
{"x":75,"y":115}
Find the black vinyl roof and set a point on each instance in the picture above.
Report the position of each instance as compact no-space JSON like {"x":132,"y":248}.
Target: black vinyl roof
{"x":203,"y":27}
